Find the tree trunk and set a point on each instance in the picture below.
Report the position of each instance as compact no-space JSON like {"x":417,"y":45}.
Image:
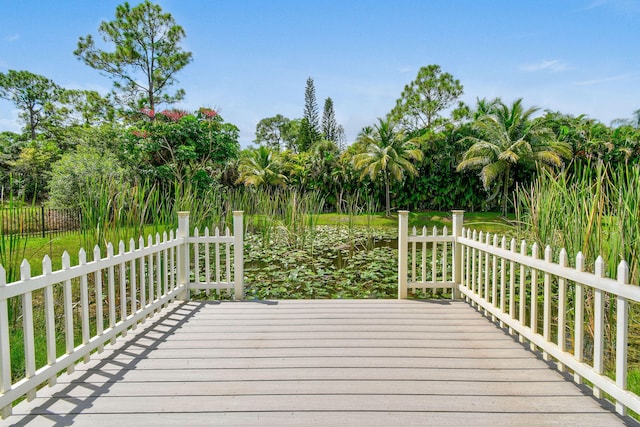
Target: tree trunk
{"x":388,"y":196}
{"x":505,"y":190}
{"x":32,"y":123}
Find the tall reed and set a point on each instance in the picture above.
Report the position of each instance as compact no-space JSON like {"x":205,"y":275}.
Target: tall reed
{"x":13,"y":245}
{"x":290,"y":214}
{"x":588,"y":208}
{"x":113,"y":211}
{"x":13,"y":242}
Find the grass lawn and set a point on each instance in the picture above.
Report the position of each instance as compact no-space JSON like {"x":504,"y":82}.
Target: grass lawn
{"x":484,"y":221}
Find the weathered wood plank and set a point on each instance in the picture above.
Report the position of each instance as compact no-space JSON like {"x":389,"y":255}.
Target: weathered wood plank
{"x":539,"y":373}
{"x":323,"y":419}
{"x":355,"y":336}
{"x":336,"y":361}
{"x":394,"y":352}
{"x":332,"y":342}
{"x":313,"y":325}
{"x":312,"y":402}
{"x":408,"y":387}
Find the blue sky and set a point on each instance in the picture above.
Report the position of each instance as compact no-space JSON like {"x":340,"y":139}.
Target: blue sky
{"x":251,"y":58}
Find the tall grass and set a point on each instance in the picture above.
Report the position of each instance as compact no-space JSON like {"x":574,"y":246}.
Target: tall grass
{"x":588,"y":208}
{"x":13,"y":247}
{"x":293,"y":213}
{"x":12,"y":244}
{"x":113,"y":211}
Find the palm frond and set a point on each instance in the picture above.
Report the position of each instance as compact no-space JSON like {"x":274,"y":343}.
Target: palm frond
{"x":473,"y":163}
{"x":491,"y":172}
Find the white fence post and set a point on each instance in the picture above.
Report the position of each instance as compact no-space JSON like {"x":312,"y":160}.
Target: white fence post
{"x":182,"y":267}
{"x":238,"y":255}
{"x":622,"y":335}
{"x":5,"y":354}
{"x":403,"y":252}
{"x":458,"y":223}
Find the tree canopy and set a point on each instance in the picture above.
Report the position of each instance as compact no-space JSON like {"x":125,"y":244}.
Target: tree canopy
{"x":277,"y":132}
{"x":387,"y":153}
{"x":147,"y":54}
{"x":34,"y":95}
{"x":422,"y":100}
{"x":507,"y":137}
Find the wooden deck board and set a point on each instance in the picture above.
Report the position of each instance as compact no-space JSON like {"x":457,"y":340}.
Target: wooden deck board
{"x":370,"y":362}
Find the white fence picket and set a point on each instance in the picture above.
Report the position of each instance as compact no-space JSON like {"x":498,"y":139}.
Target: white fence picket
{"x":133,"y":285}
{"x":49,"y":314}
{"x":622,"y":335}
{"x":546,"y":327}
{"x":27,"y":328}
{"x":68,"y":309}
{"x":533,"y":319}
{"x":84,"y":302}
{"x":158,"y":274}
{"x":5,"y":349}
{"x":99,"y":297}
{"x":579,"y":319}
{"x":563,"y":261}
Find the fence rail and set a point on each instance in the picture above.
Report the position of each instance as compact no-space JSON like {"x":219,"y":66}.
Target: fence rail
{"x":39,"y":221}
{"x":89,"y":304}
{"x":545,"y":303}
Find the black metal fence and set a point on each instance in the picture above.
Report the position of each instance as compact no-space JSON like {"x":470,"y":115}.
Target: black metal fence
{"x":39,"y":221}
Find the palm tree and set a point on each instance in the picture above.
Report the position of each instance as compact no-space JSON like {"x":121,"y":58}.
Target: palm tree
{"x":261,"y":166}
{"x":508,"y":136}
{"x":485,"y":107}
{"x":387,"y":153}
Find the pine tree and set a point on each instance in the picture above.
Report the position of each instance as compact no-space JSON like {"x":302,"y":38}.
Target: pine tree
{"x":310,"y":126}
{"x":329,"y":124}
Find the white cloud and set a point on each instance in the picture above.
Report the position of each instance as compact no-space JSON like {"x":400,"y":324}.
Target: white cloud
{"x":603,"y":80}
{"x":12,"y":37}
{"x":596,"y":3}
{"x":554,"y":65}
{"x":621,"y":6}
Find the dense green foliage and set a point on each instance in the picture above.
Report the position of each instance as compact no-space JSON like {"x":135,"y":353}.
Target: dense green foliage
{"x":74,"y":172}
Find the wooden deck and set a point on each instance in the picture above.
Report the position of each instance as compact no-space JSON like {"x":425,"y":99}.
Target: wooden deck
{"x":320,"y":362}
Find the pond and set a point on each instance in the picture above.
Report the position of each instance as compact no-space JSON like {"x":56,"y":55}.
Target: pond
{"x":333,"y":262}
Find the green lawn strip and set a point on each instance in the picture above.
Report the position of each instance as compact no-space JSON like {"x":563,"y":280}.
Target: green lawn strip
{"x":483,"y":221}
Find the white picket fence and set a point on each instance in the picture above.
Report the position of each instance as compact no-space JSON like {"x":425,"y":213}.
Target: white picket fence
{"x":111,"y":294}
{"x":511,"y":284}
